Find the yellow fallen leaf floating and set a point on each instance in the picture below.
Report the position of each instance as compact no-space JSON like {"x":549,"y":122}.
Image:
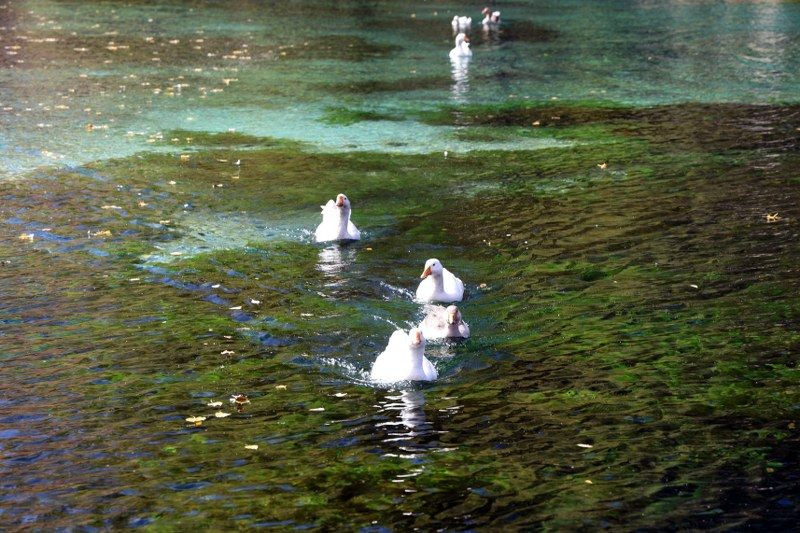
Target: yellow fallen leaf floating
{"x":602,"y":166}
{"x":196,"y":420}
{"x":585,"y":445}
{"x":227,"y":352}
{"x":317,"y":409}
{"x":26,"y":237}
{"x":184,"y":157}
{"x":588,"y":482}
{"x":110,"y":207}
{"x":280,"y":387}
{"x":214,"y":404}
{"x":220,"y":414}
{"x":773,"y":218}
{"x":102,"y":233}
{"x":251,"y":446}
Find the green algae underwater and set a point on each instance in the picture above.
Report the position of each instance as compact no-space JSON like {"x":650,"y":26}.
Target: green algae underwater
{"x":632,"y":291}
{"x":632,"y":363}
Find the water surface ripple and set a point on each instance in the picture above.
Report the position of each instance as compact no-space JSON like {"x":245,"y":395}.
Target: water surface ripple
{"x":619,"y":194}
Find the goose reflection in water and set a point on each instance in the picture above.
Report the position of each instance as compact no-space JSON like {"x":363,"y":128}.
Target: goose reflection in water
{"x":459,"y":69}
{"x":491,"y":37}
{"x":334,"y":261}
{"x":407,"y":426}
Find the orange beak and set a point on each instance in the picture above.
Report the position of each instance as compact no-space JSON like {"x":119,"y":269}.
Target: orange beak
{"x":339,"y":201}
{"x":451,"y":318}
{"x":417,"y":337}
{"x":426,"y":273}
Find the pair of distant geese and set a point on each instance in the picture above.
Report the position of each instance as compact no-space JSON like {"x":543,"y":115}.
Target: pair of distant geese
{"x":462,"y":25}
{"x":404,"y":357}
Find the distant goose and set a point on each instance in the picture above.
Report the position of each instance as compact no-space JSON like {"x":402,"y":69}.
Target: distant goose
{"x":404,"y":359}
{"x":336,"y":225}
{"x":441,"y":323}
{"x":490,"y":18}
{"x":439,"y":284}
{"x":462,"y":47}
{"x":461,"y":24}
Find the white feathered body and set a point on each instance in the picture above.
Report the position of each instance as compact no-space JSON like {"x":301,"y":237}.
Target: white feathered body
{"x":461,"y":48}
{"x":491,"y":18}
{"x":336,"y":224}
{"x":402,"y":362}
{"x":441,"y":288}
{"x":435,"y":325}
{"x":461,"y":23}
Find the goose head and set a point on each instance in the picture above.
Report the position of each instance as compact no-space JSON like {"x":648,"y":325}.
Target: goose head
{"x":462,"y":39}
{"x":486,"y":11}
{"x":416,"y":340}
{"x":342,"y":202}
{"x":433,"y":267}
{"x":453,"y":315}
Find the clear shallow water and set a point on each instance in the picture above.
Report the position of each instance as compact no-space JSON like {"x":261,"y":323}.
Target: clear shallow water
{"x":635,"y":348}
{"x":134,"y":71}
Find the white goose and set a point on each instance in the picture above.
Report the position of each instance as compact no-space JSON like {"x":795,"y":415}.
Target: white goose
{"x":336,"y":225}
{"x":441,"y":323}
{"x":490,"y":18}
{"x":462,"y":47}
{"x":461,"y":24}
{"x":439,"y":284}
{"x":404,"y":359}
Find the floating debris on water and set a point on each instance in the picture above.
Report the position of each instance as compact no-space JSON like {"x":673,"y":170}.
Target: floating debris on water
{"x":196,"y":420}
{"x":239,"y":399}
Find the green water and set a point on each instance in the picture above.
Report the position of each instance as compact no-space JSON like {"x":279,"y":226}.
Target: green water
{"x":605,"y":196}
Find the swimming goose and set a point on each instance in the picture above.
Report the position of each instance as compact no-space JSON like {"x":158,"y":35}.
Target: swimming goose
{"x":336,"y":225}
{"x":441,"y":323}
{"x":461,"y":24}
{"x":404,"y":359}
{"x":490,"y":17}
{"x":462,"y":47}
{"x":439,"y":284}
